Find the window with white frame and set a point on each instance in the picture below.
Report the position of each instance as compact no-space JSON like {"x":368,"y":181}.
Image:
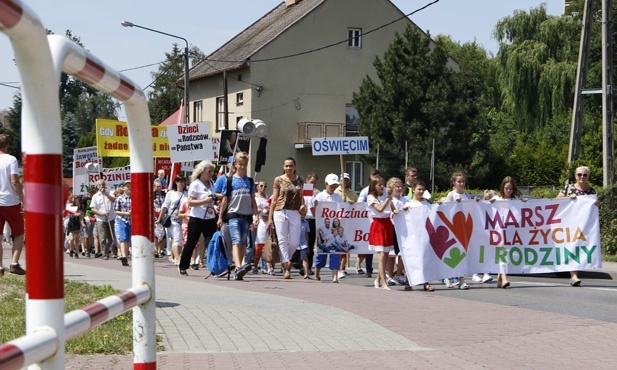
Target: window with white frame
{"x":354,"y":38}
{"x":198,"y":107}
{"x":354,"y":169}
{"x":220,"y":114}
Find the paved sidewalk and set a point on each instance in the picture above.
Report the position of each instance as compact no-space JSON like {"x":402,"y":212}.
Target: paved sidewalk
{"x":268,"y":322}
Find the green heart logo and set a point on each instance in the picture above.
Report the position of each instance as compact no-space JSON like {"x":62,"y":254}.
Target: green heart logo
{"x":456,"y":256}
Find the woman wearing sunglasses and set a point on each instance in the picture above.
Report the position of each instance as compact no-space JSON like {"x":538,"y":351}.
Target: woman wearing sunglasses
{"x":579,"y":188}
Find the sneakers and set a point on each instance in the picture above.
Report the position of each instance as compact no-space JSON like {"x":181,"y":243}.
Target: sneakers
{"x":16,"y":269}
{"x":271,"y":272}
{"x":476,"y":278}
{"x":360,"y":271}
{"x":341,"y":275}
{"x":239,"y":274}
{"x":487,"y":278}
{"x":390,"y":282}
{"x":195,"y":266}
{"x":400,"y":279}
{"x":255,"y":270}
{"x":182,"y":272}
{"x":98,"y":255}
{"x":125,"y":261}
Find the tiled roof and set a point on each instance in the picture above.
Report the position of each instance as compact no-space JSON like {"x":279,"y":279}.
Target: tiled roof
{"x":239,"y":49}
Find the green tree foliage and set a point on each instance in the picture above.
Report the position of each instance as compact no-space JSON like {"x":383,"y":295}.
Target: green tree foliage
{"x":167,"y":87}
{"x":537,"y":59}
{"x":419,"y":97}
{"x":14,"y":130}
{"x":69,"y":143}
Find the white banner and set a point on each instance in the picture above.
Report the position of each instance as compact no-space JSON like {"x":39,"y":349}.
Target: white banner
{"x":342,"y":228}
{"x":340,"y":145}
{"x":462,"y":238}
{"x":190,"y":142}
{"x":81,"y":156}
{"x":114,"y":177}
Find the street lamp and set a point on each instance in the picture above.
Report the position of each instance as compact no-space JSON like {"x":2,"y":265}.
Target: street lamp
{"x":186,"y":64}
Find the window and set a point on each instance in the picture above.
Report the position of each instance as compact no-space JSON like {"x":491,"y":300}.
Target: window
{"x":354,"y":38}
{"x":220,"y":114}
{"x":354,"y":169}
{"x":197,"y":111}
{"x":351,"y":120}
{"x":239,"y":98}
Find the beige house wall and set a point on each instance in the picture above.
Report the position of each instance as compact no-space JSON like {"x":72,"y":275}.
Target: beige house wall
{"x":315,"y":87}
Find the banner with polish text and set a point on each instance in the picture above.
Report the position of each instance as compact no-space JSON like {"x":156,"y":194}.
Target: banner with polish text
{"x":341,"y":228}
{"x":81,"y":157}
{"x":461,"y":238}
{"x":112,"y":139}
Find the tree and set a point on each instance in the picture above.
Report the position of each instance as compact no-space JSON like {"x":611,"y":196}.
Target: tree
{"x":420,"y":97}
{"x":69,"y":143}
{"x":165,"y":97}
{"x":14,"y":130}
{"x":537,"y":59}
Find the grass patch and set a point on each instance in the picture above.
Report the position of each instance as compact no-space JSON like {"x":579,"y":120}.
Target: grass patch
{"x":112,"y":337}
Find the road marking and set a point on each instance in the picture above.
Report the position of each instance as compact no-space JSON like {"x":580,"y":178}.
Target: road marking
{"x":605,"y":289}
{"x":540,"y":284}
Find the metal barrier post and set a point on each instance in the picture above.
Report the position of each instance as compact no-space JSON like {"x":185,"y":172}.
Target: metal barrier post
{"x":42,"y":148}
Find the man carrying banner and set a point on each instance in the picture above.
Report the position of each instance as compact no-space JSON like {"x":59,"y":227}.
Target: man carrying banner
{"x":102,"y":207}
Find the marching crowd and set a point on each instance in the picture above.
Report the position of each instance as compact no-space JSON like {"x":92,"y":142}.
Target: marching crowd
{"x":99,"y":224}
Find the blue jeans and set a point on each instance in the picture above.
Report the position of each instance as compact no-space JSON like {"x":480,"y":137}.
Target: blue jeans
{"x":239,"y":230}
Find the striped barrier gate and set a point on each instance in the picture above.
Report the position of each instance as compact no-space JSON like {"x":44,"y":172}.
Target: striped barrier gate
{"x":41,"y":59}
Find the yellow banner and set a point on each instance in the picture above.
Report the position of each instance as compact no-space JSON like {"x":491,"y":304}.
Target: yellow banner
{"x":112,"y":139}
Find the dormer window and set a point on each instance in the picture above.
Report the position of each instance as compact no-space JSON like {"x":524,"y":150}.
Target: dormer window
{"x":354,"y":38}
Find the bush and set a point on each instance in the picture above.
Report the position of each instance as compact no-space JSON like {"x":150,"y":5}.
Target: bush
{"x":608,"y":224}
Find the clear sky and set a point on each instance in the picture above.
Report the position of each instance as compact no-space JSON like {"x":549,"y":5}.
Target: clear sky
{"x":208,"y":24}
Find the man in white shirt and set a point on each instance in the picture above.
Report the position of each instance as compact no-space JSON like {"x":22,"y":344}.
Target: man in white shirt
{"x":11,"y":204}
{"x":102,"y":206}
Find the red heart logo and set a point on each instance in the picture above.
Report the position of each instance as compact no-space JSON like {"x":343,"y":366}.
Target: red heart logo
{"x":440,"y":239}
{"x":461,"y":227}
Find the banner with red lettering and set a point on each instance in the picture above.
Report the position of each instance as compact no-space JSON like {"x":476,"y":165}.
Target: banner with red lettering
{"x":190,"y":142}
{"x":342,"y":228}
{"x":112,"y":139}
{"x":462,"y":238}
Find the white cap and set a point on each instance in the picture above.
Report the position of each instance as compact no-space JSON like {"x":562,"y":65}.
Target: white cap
{"x":345,"y":176}
{"x":332,"y":179}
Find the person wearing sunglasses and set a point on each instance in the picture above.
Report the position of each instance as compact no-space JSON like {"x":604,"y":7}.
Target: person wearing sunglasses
{"x":579,"y":188}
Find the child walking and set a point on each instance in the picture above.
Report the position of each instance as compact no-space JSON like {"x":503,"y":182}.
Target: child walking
{"x":457,"y":194}
{"x":417,"y":189}
{"x":381,"y":232}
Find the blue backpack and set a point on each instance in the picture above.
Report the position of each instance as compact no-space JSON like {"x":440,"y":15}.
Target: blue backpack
{"x":216,"y":257}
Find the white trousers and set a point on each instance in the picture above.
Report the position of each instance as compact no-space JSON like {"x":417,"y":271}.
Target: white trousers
{"x":288,"y":228}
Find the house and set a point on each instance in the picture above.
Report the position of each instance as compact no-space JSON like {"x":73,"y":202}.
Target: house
{"x":296,"y":69}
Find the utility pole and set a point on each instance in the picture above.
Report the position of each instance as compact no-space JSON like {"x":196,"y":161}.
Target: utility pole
{"x":608,"y":145}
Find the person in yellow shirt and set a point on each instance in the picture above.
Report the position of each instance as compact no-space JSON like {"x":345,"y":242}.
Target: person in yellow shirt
{"x":344,"y":191}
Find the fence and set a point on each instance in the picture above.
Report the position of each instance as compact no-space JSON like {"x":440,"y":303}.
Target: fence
{"x":41,"y":59}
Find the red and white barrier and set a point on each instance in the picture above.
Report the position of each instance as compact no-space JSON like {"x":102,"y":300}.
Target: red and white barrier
{"x":41,"y":59}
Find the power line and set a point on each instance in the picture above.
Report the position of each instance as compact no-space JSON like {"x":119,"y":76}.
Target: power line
{"x":7,"y":84}
{"x":140,"y":67}
{"x":329,"y":45}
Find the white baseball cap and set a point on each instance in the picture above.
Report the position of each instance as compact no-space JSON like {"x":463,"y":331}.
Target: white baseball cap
{"x":332,"y":179}
{"x":345,"y":176}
